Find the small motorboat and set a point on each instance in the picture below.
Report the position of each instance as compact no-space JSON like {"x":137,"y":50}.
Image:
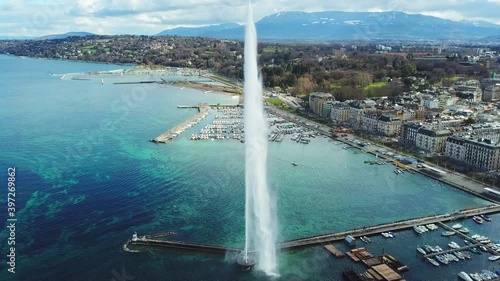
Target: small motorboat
{"x":486,"y":217}
{"x":456,"y":226}
{"x":367,"y":239}
{"x":448,"y":233}
{"x":295,"y":164}
{"x":464,"y":230}
{"x":478,"y":220}
{"x":433,"y":261}
{"x":422,"y":251}
{"x":494,"y":258}
{"x":464,"y":276}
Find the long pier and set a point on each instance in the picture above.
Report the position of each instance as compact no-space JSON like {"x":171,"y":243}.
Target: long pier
{"x":326,"y":238}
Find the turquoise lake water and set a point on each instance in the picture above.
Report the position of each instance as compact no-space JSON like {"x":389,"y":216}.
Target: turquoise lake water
{"x":88,"y":178}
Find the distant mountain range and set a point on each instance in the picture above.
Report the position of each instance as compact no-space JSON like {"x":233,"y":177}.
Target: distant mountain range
{"x":65,"y":35}
{"x":349,"y":26}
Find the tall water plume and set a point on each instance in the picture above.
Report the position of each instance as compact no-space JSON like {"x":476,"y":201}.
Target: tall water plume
{"x":260,"y":215}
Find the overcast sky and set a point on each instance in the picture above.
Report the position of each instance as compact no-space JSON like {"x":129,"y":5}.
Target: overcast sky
{"x":41,"y":17}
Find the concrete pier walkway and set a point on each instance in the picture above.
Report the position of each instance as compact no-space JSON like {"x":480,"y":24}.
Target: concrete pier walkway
{"x":326,"y":238}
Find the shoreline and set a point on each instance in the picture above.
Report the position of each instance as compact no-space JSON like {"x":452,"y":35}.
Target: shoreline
{"x":202,"y":86}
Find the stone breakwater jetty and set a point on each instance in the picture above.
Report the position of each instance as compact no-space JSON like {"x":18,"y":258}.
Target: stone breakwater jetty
{"x":203,"y":109}
{"x":319,"y":239}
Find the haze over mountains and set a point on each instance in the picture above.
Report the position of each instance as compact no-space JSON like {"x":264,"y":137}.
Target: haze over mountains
{"x":343,"y":26}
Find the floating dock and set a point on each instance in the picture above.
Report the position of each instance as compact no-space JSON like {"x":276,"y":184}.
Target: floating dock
{"x":336,"y":252}
{"x":359,"y":254}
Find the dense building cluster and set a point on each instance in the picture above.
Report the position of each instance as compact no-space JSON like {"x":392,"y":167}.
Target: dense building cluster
{"x":460,"y":123}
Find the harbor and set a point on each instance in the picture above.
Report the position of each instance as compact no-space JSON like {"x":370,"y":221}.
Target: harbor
{"x":378,"y":264}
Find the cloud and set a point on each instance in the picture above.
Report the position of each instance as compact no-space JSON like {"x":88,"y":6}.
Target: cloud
{"x":40,"y":17}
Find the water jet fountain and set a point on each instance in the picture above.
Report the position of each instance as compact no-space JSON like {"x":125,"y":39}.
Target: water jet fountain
{"x":260,"y":215}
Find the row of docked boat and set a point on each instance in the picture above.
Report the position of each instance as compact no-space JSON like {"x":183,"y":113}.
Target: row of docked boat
{"x":398,"y":171}
{"x":419,"y":229}
{"x":480,"y":276}
{"x":481,"y":219}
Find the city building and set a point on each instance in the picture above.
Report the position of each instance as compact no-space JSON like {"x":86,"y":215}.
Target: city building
{"x":327,"y":109}
{"x":387,"y":125}
{"x":430,"y":140}
{"x":317,"y":101}
{"x":491,"y":93}
{"x":357,"y":111}
{"x":340,"y":112}
{"x":478,"y":153}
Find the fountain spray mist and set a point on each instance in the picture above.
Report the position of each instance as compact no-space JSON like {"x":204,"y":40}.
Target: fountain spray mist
{"x":260,"y":214}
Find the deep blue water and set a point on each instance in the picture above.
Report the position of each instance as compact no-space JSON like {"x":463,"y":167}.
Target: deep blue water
{"x":88,"y":178}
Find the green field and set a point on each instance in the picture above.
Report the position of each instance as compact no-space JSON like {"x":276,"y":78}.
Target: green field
{"x":375,"y":85}
{"x":276,"y":102}
{"x":274,"y":49}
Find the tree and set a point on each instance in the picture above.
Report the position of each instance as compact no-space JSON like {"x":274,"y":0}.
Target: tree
{"x":305,"y":85}
{"x":469,"y":121}
{"x":408,"y":69}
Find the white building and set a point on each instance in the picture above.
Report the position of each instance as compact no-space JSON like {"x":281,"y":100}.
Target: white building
{"x":482,"y":154}
{"x":340,"y":112}
{"x":433,"y":141}
{"x":387,"y":125}
{"x":430,"y":103}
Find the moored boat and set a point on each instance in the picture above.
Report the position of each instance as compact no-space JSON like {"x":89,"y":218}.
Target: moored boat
{"x":417,"y":229}
{"x":464,"y":276}
{"x":460,"y":255}
{"x":464,"y":230}
{"x":442,"y":259}
{"x":475,"y":251}
{"x":433,"y":261}
{"x":367,"y":239}
{"x":456,"y":226}
{"x":478,"y":220}
{"x":448,"y":233}
{"x":422,"y":251}
{"x":494,"y":258}
{"x":486,"y":217}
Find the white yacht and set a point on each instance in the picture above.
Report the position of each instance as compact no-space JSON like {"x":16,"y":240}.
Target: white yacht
{"x":433,"y":261}
{"x":494,"y":258}
{"x":464,"y":276}
{"x":464,"y":230}
{"x":456,"y":226}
